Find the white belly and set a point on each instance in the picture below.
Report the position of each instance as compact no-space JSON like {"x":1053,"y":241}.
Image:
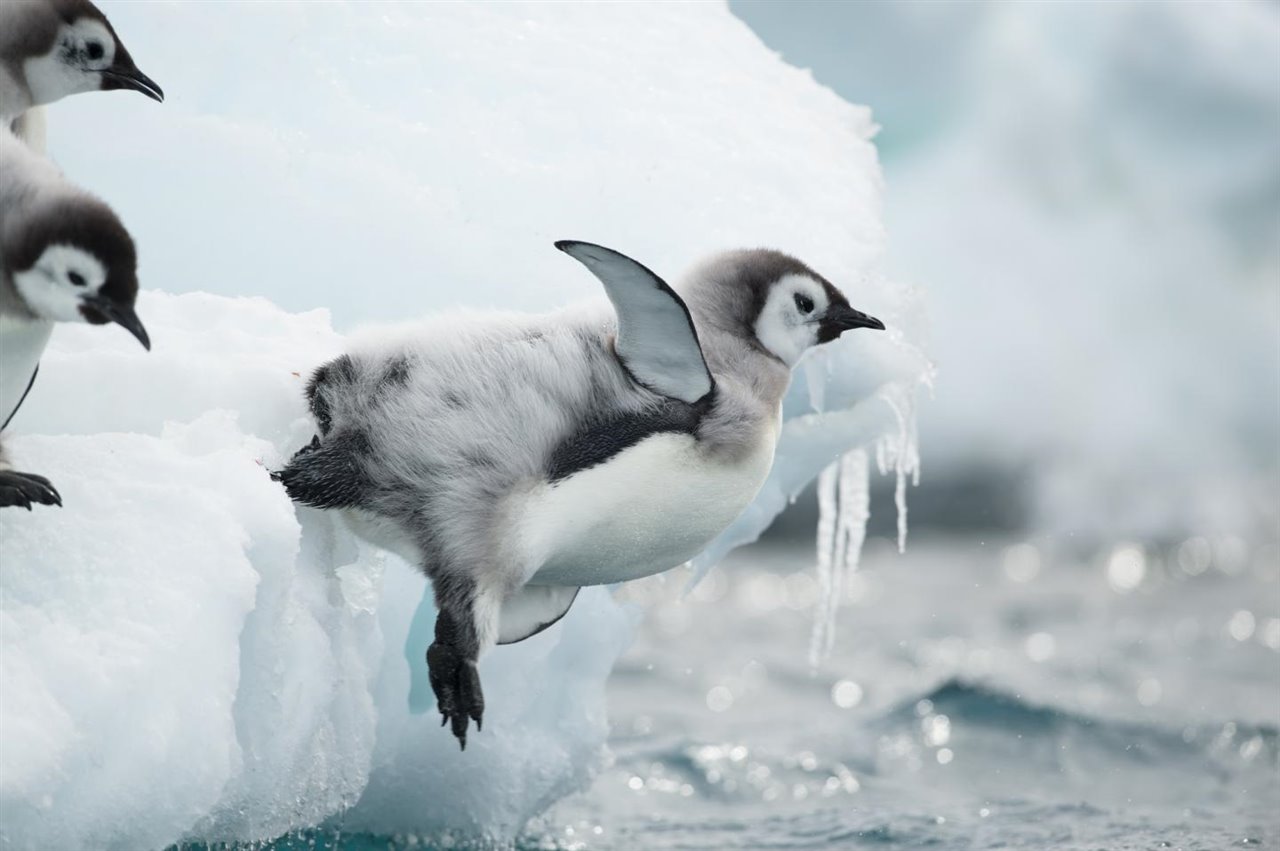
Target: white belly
{"x":21,"y":344}
{"x":648,"y":509}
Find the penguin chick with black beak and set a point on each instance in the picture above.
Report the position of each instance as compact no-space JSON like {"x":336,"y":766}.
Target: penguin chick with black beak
{"x":64,"y":257}
{"x":53,"y":48}
{"x":516,"y":460}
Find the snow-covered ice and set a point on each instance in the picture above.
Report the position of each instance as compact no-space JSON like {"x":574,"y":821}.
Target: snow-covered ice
{"x":188,"y":656}
{"x":185,"y":654}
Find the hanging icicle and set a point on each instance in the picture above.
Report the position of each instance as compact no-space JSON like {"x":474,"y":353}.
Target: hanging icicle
{"x":843,"y":509}
{"x":844,"y":490}
{"x":901,"y":452}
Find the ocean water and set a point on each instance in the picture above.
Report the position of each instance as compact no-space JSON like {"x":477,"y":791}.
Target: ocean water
{"x":981,"y":694}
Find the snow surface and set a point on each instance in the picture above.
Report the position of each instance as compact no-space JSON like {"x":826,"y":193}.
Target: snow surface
{"x":188,"y":656}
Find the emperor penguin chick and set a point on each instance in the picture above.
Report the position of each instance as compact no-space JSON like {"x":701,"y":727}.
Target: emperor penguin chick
{"x":53,"y":48}
{"x":516,"y":460}
{"x":64,"y":257}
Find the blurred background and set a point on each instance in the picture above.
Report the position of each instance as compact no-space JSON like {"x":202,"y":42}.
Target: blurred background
{"x":1080,"y":647}
{"x":1091,"y":195}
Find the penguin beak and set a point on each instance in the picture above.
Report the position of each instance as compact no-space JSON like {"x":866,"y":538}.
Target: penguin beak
{"x":840,"y":318}
{"x":125,"y":75}
{"x":121,"y":314}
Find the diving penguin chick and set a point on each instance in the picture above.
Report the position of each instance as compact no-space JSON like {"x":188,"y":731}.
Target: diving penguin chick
{"x":517,"y":459}
{"x":64,"y":257}
{"x":53,"y":48}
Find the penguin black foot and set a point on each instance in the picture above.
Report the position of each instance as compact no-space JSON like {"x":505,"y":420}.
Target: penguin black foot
{"x":25,"y":488}
{"x":456,"y":682}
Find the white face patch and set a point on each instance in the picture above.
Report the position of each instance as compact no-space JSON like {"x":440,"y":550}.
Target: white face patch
{"x":787,"y":325}
{"x":81,"y":51}
{"x":54,"y":288}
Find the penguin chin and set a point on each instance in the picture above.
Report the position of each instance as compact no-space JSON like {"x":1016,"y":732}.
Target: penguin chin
{"x":100,"y":311}
{"x":93,"y":316}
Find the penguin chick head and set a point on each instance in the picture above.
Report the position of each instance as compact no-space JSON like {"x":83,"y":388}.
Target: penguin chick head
{"x":69,"y":47}
{"x":75,"y":262}
{"x":773,"y":299}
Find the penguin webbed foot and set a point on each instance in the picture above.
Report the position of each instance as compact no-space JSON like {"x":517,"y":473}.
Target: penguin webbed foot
{"x":456,"y":682}
{"x":26,"y":488}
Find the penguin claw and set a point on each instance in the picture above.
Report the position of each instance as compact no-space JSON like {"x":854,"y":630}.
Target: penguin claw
{"x":12,"y":496}
{"x":23,"y":489}
{"x":456,"y":683}
{"x":460,"y":730}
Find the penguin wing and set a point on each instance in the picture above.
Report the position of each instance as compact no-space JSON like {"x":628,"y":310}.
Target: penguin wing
{"x":656,"y":342}
{"x":532,"y":609}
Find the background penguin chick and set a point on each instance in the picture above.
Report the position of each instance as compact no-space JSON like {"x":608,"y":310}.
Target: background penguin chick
{"x":64,"y":257}
{"x":515,"y":459}
{"x":53,"y":48}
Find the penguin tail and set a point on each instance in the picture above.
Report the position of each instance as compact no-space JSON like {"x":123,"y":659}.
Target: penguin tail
{"x":326,"y":474}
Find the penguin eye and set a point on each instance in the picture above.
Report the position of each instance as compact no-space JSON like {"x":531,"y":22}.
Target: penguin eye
{"x":94,"y":50}
{"x":77,"y":279}
{"x":803,"y":303}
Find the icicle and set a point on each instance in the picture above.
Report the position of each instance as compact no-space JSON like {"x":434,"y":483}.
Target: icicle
{"x":827,"y":512}
{"x":902,"y":451}
{"x":843,"y":509}
{"x":855,"y":503}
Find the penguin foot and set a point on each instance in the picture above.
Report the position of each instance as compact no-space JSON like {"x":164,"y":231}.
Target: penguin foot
{"x":25,"y":488}
{"x":456,"y":683}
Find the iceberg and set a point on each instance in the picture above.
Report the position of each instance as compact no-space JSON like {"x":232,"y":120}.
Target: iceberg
{"x":188,"y":657}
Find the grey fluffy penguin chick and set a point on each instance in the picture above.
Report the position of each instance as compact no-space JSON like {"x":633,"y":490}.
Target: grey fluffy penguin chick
{"x":53,"y":48}
{"x":64,"y":257}
{"x":516,"y":459}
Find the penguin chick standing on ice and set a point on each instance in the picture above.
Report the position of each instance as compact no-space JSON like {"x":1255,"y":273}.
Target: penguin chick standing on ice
{"x":516,"y":460}
{"x":53,"y":48}
{"x":64,"y":257}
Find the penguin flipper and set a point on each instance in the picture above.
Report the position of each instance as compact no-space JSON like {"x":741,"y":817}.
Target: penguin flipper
{"x":657,"y":342}
{"x":532,"y":609}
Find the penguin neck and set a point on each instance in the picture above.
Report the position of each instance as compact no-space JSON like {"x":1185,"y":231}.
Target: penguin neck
{"x":15,"y":95}
{"x":15,"y":316}
{"x":30,"y":128}
{"x":729,"y":345}
{"x":746,"y":363}
{"x":14,"y":311}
